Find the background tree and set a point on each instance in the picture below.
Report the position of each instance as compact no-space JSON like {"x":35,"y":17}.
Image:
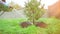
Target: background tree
{"x":10,"y":7}
{"x":14,"y":5}
{"x":4,"y":8}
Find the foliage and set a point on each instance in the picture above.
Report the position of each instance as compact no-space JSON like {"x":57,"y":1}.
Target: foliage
{"x":33,"y":11}
{"x":9,"y":8}
{"x":14,"y":5}
{"x":4,"y":8}
{"x":11,"y":26}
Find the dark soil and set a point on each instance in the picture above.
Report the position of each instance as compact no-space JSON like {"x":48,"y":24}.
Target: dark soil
{"x":37,"y":24}
{"x":41,"y":24}
{"x":25,"y":24}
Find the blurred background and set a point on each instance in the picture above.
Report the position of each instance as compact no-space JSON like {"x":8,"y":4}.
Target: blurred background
{"x":19,"y":4}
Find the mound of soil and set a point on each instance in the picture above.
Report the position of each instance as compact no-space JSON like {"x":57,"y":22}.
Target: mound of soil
{"x":41,"y":24}
{"x":37,"y":24}
{"x":25,"y":24}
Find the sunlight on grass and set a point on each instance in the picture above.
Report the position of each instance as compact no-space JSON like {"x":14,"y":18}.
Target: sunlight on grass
{"x":11,"y":26}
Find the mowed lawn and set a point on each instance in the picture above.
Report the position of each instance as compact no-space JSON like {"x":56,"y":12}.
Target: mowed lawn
{"x":12,"y":26}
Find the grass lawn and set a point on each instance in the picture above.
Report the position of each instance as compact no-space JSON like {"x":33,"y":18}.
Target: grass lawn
{"x":11,"y":26}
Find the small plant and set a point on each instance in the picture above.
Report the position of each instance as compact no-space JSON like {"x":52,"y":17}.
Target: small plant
{"x":33,"y":11}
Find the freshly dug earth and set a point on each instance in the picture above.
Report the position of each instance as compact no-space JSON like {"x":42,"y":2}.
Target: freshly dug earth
{"x":38,"y":24}
{"x":41,"y":24}
{"x":25,"y":24}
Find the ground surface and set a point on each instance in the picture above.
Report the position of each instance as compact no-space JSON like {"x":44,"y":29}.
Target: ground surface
{"x":11,"y":26}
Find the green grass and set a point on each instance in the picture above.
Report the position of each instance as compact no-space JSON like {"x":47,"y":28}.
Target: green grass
{"x":11,"y":26}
